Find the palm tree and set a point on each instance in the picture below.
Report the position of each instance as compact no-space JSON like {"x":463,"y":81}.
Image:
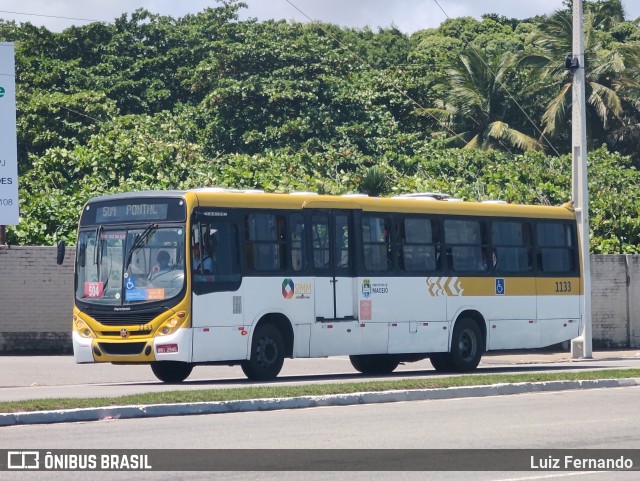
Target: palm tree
{"x":374,"y":182}
{"x":607,"y":14}
{"x":473,"y":103}
{"x":610,"y":68}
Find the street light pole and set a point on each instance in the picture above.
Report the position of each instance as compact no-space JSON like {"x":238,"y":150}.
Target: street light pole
{"x":581,"y":347}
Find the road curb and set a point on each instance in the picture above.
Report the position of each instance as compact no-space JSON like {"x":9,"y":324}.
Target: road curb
{"x":273,"y":404}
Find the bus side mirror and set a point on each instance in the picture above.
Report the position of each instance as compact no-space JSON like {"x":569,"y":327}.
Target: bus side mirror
{"x":61,"y":251}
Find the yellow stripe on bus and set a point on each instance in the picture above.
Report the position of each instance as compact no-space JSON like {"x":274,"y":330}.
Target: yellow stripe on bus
{"x":502,"y":286}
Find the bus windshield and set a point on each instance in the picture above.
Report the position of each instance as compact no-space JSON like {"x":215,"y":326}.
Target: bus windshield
{"x":125,"y":266}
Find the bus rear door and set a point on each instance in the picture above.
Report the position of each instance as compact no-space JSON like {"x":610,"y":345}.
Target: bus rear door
{"x":335,"y":330}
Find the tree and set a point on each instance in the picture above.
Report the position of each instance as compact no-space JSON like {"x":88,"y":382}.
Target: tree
{"x":611,"y":71}
{"x":474,"y":102}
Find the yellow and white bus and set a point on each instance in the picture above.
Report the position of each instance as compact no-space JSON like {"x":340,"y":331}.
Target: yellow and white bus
{"x":215,"y":276}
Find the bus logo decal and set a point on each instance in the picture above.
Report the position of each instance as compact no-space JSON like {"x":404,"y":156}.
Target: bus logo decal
{"x":124,"y":333}
{"x":444,"y":286}
{"x":366,"y":287}
{"x":302,"y":290}
{"x":287,"y":289}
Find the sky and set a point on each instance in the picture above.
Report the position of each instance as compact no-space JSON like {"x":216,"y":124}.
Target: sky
{"x":406,"y":15}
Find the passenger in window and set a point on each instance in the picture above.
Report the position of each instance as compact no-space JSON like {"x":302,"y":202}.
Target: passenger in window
{"x":202,"y":264}
{"x":484,"y":264}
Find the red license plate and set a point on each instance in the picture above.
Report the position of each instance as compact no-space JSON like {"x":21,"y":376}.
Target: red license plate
{"x":166,"y":348}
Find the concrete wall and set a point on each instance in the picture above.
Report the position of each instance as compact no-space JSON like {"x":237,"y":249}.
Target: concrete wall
{"x":36,"y":300}
{"x":609,"y":301}
{"x":634,"y":300}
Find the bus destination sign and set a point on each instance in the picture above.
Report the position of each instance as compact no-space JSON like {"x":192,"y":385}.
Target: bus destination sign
{"x":131,"y":212}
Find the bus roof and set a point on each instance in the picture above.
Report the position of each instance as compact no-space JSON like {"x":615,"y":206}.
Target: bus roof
{"x":407,"y":203}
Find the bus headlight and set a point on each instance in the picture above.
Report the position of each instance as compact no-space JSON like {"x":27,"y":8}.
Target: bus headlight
{"x":82,"y":328}
{"x":169,"y":327}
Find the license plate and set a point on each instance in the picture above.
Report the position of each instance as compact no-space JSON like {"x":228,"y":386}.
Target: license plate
{"x":166,"y":348}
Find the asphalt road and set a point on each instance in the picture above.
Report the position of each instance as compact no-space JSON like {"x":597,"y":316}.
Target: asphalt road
{"x":591,"y":419}
{"x":41,"y":377}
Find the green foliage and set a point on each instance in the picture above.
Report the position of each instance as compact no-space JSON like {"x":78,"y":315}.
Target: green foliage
{"x":611,"y":69}
{"x":152,"y":102}
{"x":374,"y":182}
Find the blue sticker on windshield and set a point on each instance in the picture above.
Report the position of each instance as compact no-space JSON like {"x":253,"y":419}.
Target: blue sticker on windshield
{"x":136,"y":295}
{"x":129,"y":282}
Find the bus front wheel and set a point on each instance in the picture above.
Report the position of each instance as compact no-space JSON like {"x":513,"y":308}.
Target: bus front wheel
{"x":171,"y":371}
{"x":267,"y":354}
{"x":374,"y":363}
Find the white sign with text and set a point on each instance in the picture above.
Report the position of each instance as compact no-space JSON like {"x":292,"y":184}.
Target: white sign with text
{"x":8,"y":139}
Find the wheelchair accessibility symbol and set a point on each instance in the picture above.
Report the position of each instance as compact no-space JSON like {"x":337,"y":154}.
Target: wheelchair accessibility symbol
{"x":500,"y":287}
{"x":129,"y":282}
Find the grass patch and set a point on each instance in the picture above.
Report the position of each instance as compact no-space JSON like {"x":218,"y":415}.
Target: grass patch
{"x":272,"y":391}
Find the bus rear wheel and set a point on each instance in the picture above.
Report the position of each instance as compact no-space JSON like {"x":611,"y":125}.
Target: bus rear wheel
{"x":267,"y":354}
{"x":466,"y":345}
{"x":374,"y":363}
{"x":441,"y":362}
{"x":171,"y":371}
{"x":466,"y":349}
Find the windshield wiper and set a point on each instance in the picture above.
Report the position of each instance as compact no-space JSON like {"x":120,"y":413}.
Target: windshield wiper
{"x":96,"y":256}
{"x":140,"y":240}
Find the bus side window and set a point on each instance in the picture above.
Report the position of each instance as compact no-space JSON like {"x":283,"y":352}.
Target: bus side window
{"x":556,"y":247}
{"x":265,"y":242}
{"x":376,"y":240}
{"x":467,"y":241}
{"x":417,"y":244}
{"x":512,"y":246}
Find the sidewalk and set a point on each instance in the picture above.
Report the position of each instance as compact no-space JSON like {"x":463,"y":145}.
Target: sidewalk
{"x":542,"y":356}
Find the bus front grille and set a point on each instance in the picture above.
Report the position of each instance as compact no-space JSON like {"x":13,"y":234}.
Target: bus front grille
{"x":125,"y":319}
{"x":130,"y":334}
{"x":122,"y":349}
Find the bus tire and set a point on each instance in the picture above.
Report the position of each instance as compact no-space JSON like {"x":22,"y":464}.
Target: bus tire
{"x":267,"y":354}
{"x":374,"y":363}
{"x":441,"y":362}
{"x":466,"y":345}
{"x":171,"y":371}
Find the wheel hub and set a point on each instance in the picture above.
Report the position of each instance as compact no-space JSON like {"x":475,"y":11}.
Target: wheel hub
{"x":267,"y":352}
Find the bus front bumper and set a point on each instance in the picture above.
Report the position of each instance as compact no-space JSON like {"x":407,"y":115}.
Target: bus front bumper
{"x":174,"y":347}
{"x":82,"y":348}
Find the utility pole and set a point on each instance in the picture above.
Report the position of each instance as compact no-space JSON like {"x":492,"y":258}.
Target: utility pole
{"x":581,"y":347}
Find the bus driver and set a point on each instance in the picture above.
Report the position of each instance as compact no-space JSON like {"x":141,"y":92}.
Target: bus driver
{"x":204,"y":264}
